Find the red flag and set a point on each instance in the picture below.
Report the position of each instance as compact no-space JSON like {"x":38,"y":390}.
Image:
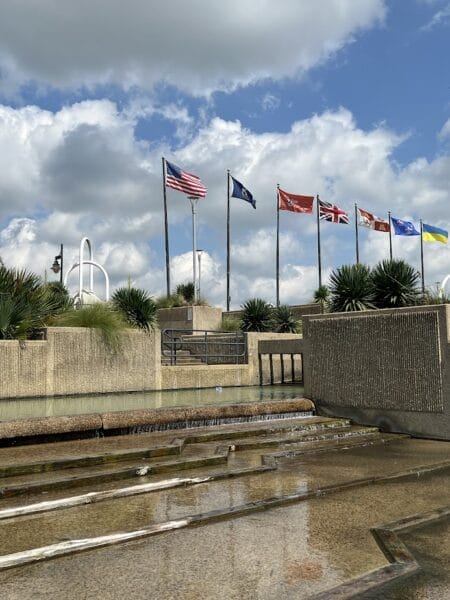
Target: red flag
{"x":367,"y":219}
{"x":294,"y":202}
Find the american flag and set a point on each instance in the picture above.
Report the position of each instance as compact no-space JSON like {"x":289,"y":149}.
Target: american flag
{"x":331,"y":212}
{"x":184,"y":182}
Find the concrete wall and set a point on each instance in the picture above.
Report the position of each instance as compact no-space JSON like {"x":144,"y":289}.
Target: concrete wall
{"x":190,"y":317}
{"x":74,"y":360}
{"x":389,"y":368}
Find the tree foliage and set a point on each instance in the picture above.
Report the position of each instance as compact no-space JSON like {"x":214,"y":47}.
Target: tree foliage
{"x":137,"y":307}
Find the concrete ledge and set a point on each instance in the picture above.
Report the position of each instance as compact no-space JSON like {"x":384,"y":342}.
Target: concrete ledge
{"x":110,"y":421}
{"x":116,"y":420}
{"x":49,"y":426}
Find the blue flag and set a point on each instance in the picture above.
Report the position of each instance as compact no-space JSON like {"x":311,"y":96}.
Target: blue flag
{"x":404,"y":227}
{"x":239,"y":191}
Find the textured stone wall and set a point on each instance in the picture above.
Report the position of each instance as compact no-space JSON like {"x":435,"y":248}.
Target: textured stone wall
{"x":388,"y":366}
{"x":190,"y":317}
{"x":75,"y":361}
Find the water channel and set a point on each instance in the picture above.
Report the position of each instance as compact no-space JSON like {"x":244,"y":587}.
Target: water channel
{"x":28,"y":408}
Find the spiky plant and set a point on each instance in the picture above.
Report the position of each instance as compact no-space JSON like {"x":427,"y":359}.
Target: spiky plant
{"x":351,"y":289}
{"x":137,"y":307}
{"x":186,"y":291}
{"x":395,"y":284}
{"x":101,"y":317}
{"x":322,"y":297}
{"x":284,"y":320}
{"x":257,"y":315}
{"x":27,"y":304}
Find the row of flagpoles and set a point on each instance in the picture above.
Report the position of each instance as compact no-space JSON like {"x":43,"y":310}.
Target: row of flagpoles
{"x":191,"y":185}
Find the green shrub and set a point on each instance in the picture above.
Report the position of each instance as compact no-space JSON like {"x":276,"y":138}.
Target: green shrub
{"x":186,"y":291}
{"x":136,"y":306}
{"x":395,"y":284}
{"x":257,"y":315}
{"x":230,"y":324}
{"x":101,"y":317}
{"x":284,"y":320}
{"x":351,"y":289}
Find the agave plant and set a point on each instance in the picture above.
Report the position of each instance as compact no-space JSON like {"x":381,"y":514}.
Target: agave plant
{"x":284,"y":320}
{"x":395,"y":284}
{"x":137,"y":307}
{"x":257,"y":315}
{"x":351,"y":289}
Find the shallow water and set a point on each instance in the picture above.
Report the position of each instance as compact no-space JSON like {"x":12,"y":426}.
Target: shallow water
{"x":77,"y":405}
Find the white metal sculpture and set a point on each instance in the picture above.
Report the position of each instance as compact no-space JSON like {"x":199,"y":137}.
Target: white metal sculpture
{"x":443,"y":284}
{"x":87,"y":296}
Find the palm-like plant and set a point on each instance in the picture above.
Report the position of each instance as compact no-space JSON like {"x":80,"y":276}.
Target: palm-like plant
{"x":351,"y":289}
{"x":284,"y":320}
{"x":186,"y":291}
{"x":137,"y":307}
{"x":322,"y":297}
{"x":26,"y":303}
{"x":395,"y":284}
{"x":257,"y":315}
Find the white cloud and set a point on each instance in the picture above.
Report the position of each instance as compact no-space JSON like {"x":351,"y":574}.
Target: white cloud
{"x":199,"y":47}
{"x":444,"y":133}
{"x":81,"y":172}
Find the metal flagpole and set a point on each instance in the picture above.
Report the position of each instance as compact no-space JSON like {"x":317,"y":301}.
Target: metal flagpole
{"x":421,"y":258}
{"x":166,"y":228}
{"x":318,"y":243}
{"x":228,"y":240}
{"x":194,"y":200}
{"x":278,"y":247}
{"x":356,"y":233}
{"x":390,"y":234}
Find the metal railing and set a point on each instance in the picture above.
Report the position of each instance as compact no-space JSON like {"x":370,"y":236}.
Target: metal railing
{"x":211,"y":347}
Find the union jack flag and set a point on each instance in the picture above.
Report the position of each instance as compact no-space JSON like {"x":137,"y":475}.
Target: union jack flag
{"x":331,"y":212}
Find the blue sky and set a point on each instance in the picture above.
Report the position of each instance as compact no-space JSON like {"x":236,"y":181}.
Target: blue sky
{"x":347,"y":99}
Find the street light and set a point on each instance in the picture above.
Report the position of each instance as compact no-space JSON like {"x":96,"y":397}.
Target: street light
{"x":199,"y":257}
{"x":57,"y":267}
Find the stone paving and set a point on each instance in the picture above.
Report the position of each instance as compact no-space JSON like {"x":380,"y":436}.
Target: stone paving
{"x":294,"y":508}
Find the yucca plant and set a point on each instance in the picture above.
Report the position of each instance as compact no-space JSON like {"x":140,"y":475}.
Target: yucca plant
{"x":322,"y":297}
{"x":137,"y":307}
{"x":284,"y":320}
{"x":257,"y":315}
{"x":26,"y":303}
{"x":351,"y":289}
{"x":395,"y":284}
{"x":186,"y":291}
{"x":101,"y":317}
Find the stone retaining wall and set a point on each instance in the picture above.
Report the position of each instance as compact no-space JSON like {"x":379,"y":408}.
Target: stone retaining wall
{"x":389,"y":368}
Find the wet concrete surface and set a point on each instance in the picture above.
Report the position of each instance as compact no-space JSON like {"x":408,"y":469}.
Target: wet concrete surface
{"x":292,"y":551}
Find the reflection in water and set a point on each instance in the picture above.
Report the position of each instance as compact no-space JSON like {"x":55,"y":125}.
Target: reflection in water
{"x":77,"y":405}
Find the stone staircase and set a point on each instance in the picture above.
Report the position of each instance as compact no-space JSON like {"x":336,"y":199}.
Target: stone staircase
{"x":183,"y":358}
{"x":61,"y":498}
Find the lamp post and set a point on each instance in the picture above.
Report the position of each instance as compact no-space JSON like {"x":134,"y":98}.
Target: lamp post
{"x":57,"y":267}
{"x":194,"y":200}
{"x":199,"y":256}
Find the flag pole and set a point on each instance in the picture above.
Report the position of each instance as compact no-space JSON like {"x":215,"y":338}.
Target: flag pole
{"x":356,"y":233}
{"x":166,"y":228}
{"x":193,"y":201}
{"x":319,"y":260}
{"x":228,"y":240}
{"x":278,"y":247}
{"x":390,"y":234}
{"x":421,"y":258}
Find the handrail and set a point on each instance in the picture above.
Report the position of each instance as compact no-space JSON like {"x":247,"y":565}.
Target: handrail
{"x":176,"y":340}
